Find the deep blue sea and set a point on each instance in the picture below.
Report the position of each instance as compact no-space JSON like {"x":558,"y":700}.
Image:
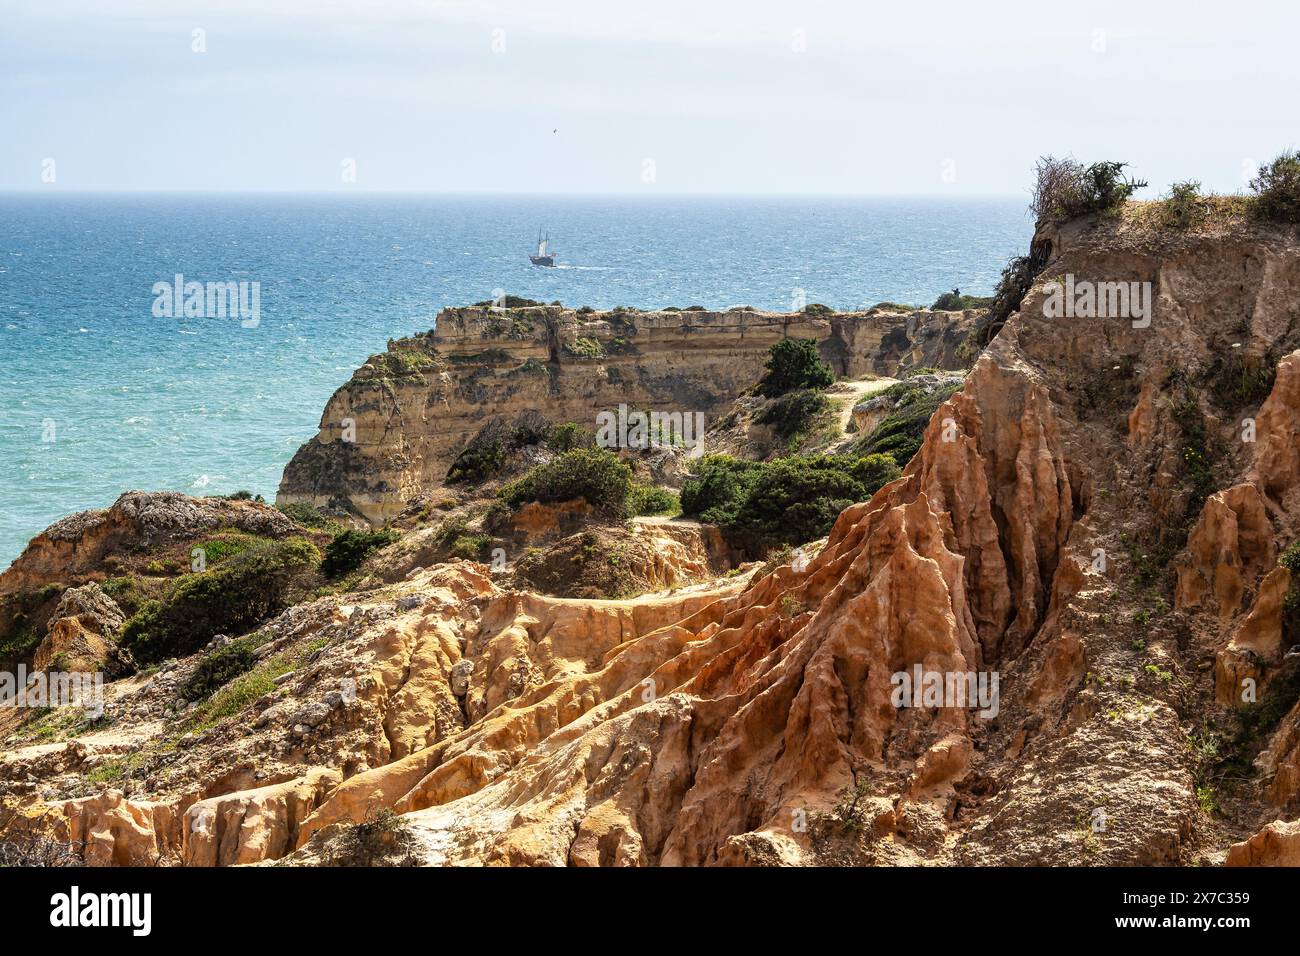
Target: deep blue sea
{"x":97,"y":395}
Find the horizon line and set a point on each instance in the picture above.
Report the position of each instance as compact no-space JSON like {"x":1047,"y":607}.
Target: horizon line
{"x":476,"y":193}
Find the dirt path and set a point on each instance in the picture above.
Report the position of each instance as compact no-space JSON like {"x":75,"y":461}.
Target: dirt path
{"x":856,"y":392}
{"x":677,"y":522}
{"x":859,"y":391}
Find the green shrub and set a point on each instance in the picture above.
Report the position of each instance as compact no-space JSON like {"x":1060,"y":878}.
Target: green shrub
{"x":301,"y":513}
{"x":19,"y":643}
{"x":816,"y":308}
{"x":793,"y":413}
{"x":408,"y":361}
{"x":482,"y":457}
{"x":875,"y":471}
{"x":1184,"y":206}
{"x":471,"y":547}
{"x":568,"y":436}
{"x":788,"y":501}
{"x":585,"y":347}
{"x":1277,"y":188}
{"x":511,"y":302}
{"x":794,"y":364}
{"x":716,"y":488}
{"x":797,"y":499}
{"x":22,"y":620}
{"x":129,"y":592}
{"x":485,"y":454}
{"x":1290,"y":558}
{"x":220,"y":667}
{"x":596,"y":475}
{"x":1065,"y":189}
{"x":350,"y":548}
{"x":651,"y":500}
{"x":236,"y":595}
{"x":223,"y":545}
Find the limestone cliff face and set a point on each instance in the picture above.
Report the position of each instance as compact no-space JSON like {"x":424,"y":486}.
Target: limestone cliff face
{"x":389,"y":435}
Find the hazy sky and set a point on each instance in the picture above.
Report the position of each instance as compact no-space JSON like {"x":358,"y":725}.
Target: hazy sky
{"x":649,"y":96}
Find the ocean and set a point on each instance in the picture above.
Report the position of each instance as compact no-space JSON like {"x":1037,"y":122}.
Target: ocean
{"x":99,"y":395}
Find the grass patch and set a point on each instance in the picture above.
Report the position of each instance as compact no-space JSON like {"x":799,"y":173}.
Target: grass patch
{"x":224,"y":664}
{"x":247,"y":688}
{"x":793,"y":415}
{"x":307,"y":516}
{"x":900,"y":434}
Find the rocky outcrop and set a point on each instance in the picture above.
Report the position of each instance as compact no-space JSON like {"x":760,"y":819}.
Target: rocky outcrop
{"x":82,"y":632}
{"x":1256,"y":644}
{"x":89,"y":544}
{"x":1277,"y":462}
{"x":388,"y":436}
{"x":252,"y":825}
{"x":114,"y":831}
{"x":1231,"y":544}
{"x":1278,"y":844}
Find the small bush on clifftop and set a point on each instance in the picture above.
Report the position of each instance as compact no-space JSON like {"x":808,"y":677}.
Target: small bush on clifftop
{"x":1065,"y":189}
{"x":1277,"y":188}
{"x":1184,"y":206}
{"x":954,"y":301}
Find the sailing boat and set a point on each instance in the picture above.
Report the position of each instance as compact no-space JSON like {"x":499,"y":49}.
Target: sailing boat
{"x":544,"y":257}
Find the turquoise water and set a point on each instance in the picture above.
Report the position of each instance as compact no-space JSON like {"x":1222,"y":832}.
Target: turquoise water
{"x":209,"y":407}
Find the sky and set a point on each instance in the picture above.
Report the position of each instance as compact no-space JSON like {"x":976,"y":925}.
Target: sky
{"x":921,"y":97}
